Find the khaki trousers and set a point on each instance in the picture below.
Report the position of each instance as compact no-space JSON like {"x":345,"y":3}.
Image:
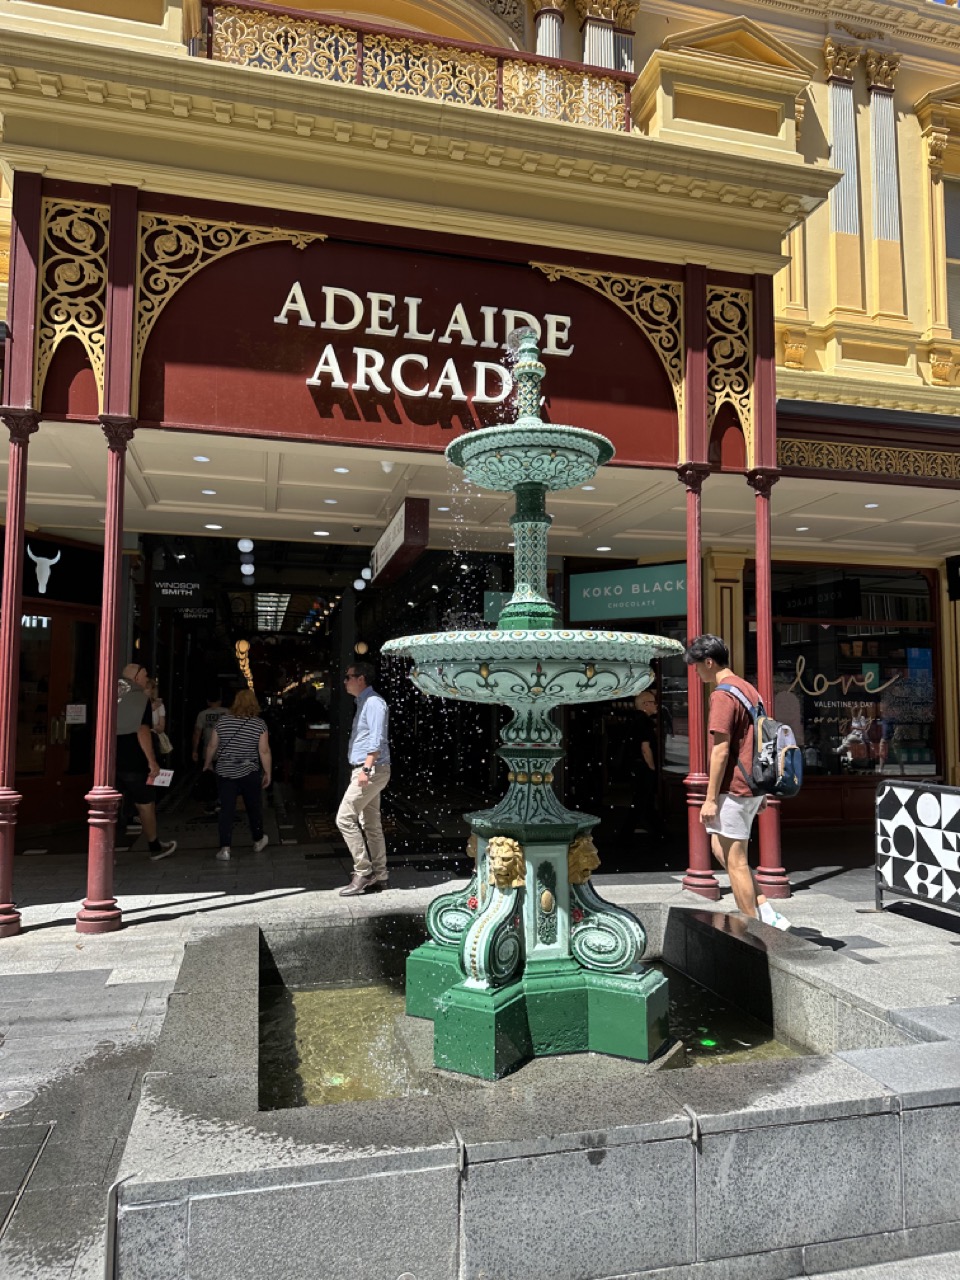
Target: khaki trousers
{"x":359,"y":821}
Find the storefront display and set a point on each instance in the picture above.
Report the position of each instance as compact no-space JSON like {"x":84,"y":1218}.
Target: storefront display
{"x":855,"y":662}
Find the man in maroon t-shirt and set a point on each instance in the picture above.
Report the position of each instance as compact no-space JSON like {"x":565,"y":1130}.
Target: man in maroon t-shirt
{"x":730,"y":807}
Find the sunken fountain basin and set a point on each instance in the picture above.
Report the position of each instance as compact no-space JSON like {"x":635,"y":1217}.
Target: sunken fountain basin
{"x":583,"y":1167}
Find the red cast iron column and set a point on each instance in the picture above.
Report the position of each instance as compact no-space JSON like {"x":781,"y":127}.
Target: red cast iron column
{"x":692,"y":472}
{"x":771,"y":876}
{"x":100,"y":912}
{"x":21,"y":423}
{"x":699,"y":878}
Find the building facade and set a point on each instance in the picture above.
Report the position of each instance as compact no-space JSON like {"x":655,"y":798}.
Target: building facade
{"x":263,"y":240}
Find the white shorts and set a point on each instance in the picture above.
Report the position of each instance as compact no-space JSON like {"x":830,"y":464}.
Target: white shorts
{"x":735,"y":815}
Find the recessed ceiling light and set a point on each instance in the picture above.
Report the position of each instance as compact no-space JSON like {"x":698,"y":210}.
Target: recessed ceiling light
{"x":321,"y":533}
{"x":181,"y":556}
{"x":604,"y":548}
{"x":443,"y":508}
{"x":588,"y":488}
{"x":803,"y":528}
{"x":246,"y":568}
{"x":342,"y":471}
{"x":199,"y":457}
{"x":245,"y":544}
{"x":870,"y":505}
{"x":331,"y":502}
{"x":210,"y":493}
{"x":213,"y":526}
{"x":511,"y":544}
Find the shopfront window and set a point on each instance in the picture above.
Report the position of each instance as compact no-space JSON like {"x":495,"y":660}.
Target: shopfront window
{"x":855,"y":668}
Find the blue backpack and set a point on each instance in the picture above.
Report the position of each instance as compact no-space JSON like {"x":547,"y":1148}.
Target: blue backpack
{"x":777,"y":760}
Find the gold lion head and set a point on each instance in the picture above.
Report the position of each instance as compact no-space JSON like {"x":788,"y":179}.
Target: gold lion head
{"x":582,"y":859}
{"x":508,"y":868}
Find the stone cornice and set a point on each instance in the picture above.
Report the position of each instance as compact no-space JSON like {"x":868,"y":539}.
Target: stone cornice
{"x":831,"y":388}
{"x":917,"y":21}
{"x":100,"y":124}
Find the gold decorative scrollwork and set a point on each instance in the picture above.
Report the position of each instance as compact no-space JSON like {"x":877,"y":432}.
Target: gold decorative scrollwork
{"x":72,"y":285}
{"x":654,"y":306}
{"x":402,"y":64}
{"x":729,"y":363}
{"x":172,"y":251}
{"x":275,"y":42}
{"x":865,"y":459}
{"x":557,"y":93}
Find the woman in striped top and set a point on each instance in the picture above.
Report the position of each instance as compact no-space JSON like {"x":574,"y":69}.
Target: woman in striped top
{"x":239,"y":745}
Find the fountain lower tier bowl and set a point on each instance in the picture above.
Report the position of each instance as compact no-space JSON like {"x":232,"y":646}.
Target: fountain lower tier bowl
{"x":529,"y":451}
{"x":532,"y":668}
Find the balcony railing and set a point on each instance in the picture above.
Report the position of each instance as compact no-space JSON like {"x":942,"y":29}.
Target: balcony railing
{"x":319,"y":47}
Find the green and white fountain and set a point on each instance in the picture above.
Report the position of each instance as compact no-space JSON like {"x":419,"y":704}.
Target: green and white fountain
{"x":529,"y":960}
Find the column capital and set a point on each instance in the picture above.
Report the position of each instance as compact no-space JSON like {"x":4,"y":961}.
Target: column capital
{"x":21,"y":423}
{"x":937,"y":136}
{"x":118,"y":429}
{"x":840,"y":60}
{"x":882,"y":70}
{"x":597,"y":10}
{"x":625,"y":14}
{"x":549,"y":6}
{"x":762,"y":480}
{"x":692,"y":475}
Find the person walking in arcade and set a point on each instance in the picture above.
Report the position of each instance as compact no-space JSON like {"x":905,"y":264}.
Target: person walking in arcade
{"x":730,"y":805}
{"x":238,"y":751}
{"x":368,"y":754}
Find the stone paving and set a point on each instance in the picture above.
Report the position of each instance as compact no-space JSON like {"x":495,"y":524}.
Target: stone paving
{"x":79,"y":1015}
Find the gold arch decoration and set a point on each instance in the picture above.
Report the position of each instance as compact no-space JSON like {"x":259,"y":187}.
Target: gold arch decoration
{"x":172,"y":251}
{"x":654,"y":306}
{"x":729,"y":358}
{"x":868,"y":459}
{"x":72,"y":285}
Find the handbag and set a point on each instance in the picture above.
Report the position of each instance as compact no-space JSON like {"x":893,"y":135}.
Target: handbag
{"x":164,"y":743}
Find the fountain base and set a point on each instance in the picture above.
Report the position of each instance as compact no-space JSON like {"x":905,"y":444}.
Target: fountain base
{"x":556,"y":1007}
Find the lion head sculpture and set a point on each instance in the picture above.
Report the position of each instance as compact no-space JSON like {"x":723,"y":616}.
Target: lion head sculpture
{"x":582,"y":859}
{"x":508,"y":868}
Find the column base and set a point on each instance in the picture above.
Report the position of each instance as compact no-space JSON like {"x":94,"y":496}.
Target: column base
{"x":9,"y":922}
{"x":699,"y":877}
{"x":9,"y":915}
{"x":100,"y":912}
{"x":96,"y":918}
{"x":555,"y":1008}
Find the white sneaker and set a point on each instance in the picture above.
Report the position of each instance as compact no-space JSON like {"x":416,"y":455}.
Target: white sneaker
{"x":261,"y":844}
{"x":165,"y":850}
{"x":773,"y":917}
{"x":224,"y":854}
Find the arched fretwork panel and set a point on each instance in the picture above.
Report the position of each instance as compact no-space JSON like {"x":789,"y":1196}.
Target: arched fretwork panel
{"x":495,"y":22}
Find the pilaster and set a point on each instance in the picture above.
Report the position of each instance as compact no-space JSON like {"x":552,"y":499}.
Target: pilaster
{"x":888,"y":278}
{"x":845,"y":227}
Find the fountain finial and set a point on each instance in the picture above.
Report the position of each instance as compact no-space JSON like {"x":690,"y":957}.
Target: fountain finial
{"x":528,"y":373}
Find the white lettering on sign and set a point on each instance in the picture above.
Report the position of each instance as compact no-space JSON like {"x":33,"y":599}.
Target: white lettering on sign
{"x":34,"y":622}
{"x":614,"y":590}
{"x":383,"y":315}
{"x":489,"y":384}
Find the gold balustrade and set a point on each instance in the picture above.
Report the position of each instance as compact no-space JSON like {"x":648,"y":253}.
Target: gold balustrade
{"x":297,"y":43}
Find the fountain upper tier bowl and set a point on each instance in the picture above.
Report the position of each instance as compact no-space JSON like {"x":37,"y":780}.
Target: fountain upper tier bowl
{"x":525,"y":668}
{"x":529,"y":451}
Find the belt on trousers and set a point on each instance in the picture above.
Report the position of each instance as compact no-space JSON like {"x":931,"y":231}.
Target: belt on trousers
{"x":381,"y":764}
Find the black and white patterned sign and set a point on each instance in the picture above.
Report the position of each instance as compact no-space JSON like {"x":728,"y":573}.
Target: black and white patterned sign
{"x":918,"y":841}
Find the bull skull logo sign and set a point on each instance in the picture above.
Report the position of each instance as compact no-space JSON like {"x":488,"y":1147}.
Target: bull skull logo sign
{"x":44,"y":566}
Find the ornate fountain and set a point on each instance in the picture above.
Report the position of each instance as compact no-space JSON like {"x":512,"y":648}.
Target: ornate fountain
{"x":529,"y":960}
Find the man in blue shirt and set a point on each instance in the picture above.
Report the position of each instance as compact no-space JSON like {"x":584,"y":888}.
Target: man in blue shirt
{"x":369,"y":755}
